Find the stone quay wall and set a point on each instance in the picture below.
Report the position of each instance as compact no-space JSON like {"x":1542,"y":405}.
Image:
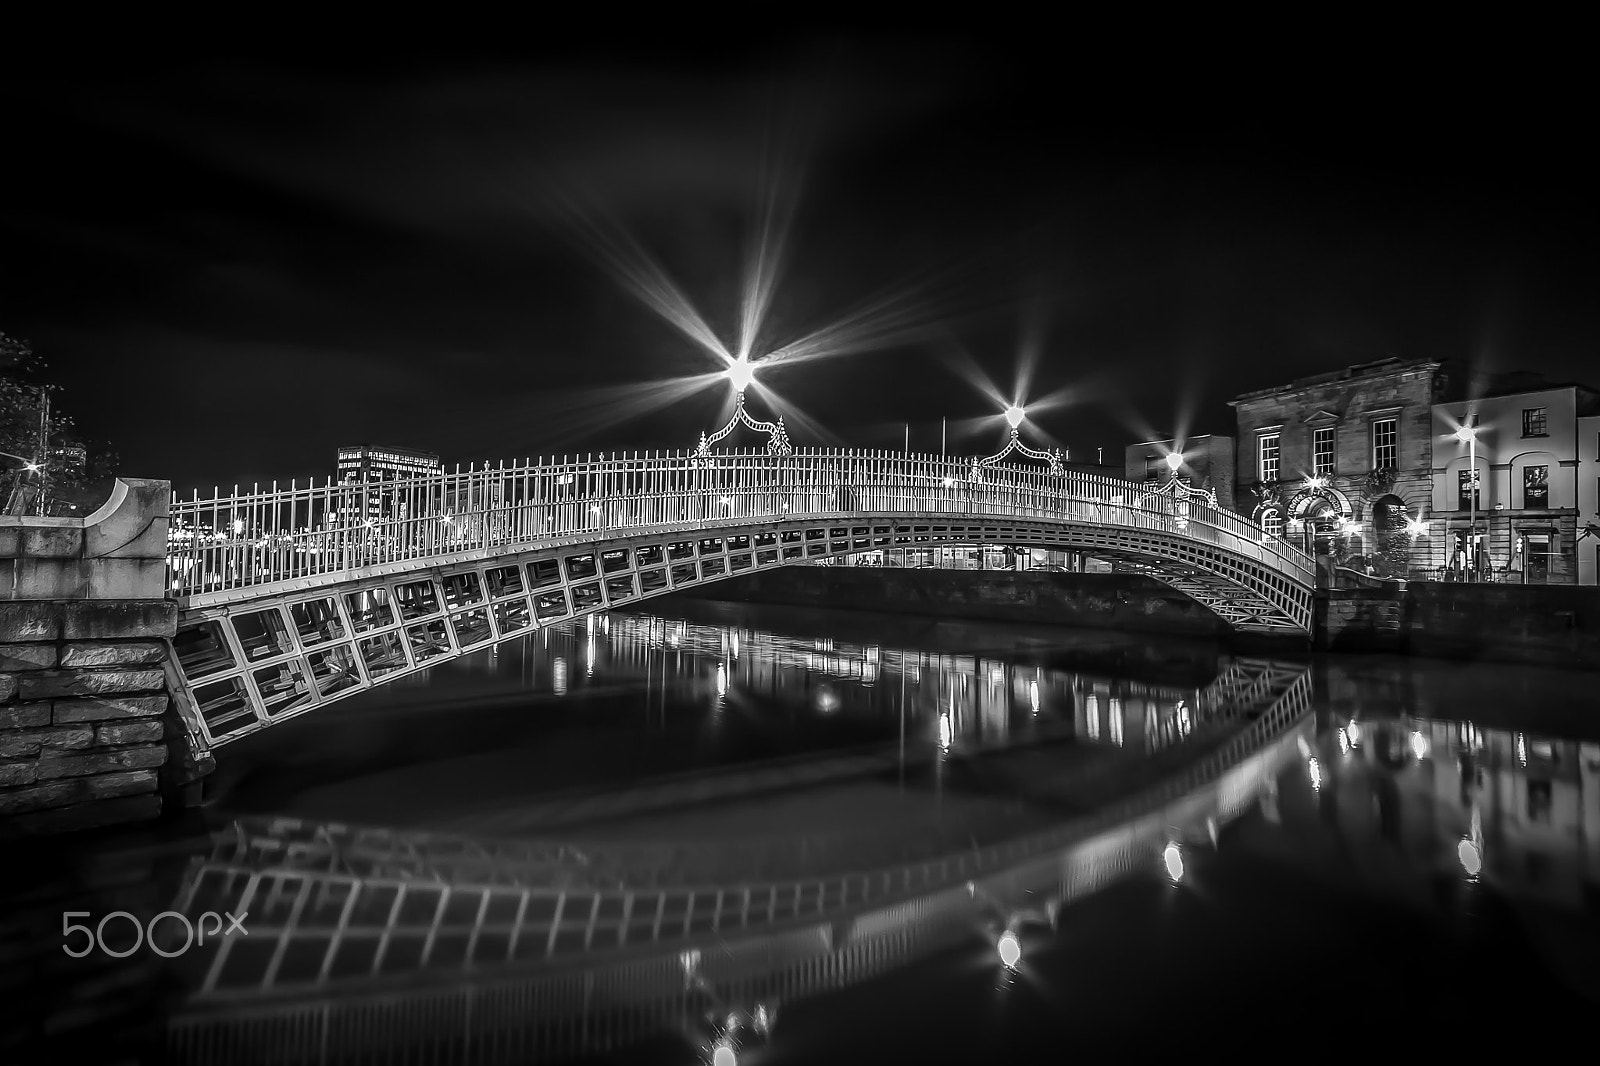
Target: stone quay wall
{"x":1128,"y":603}
{"x":1536,"y":624}
{"x":89,"y":732}
{"x":1547,"y":625}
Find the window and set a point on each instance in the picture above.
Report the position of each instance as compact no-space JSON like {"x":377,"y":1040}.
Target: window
{"x":1322,"y":452}
{"x":1536,"y":486}
{"x":1469,"y":490}
{"x":1269,"y":457}
{"x":1533,"y":422}
{"x":1272,"y":522}
{"x":1385,"y":443}
{"x":1152,"y":467}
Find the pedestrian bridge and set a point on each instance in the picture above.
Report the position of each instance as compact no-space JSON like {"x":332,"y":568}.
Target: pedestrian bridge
{"x":291,"y":598}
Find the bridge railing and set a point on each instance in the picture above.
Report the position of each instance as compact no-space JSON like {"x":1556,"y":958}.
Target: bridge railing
{"x":267,"y":535}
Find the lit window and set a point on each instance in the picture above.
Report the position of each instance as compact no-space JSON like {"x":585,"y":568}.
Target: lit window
{"x":1322,"y":452}
{"x":1385,"y":443}
{"x":1468,"y":488}
{"x":1269,"y":457}
{"x":1533,"y":422}
{"x":1536,"y":486}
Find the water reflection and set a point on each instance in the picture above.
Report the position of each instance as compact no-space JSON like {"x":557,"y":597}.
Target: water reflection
{"x":383,"y":944}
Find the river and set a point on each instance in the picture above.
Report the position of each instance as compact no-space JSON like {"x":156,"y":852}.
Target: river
{"x":1230,"y":850}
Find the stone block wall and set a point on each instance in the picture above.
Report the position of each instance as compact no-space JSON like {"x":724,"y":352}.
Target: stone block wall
{"x":84,"y":712}
{"x":89,"y":732}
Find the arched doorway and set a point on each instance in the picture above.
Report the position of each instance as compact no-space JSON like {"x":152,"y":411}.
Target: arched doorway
{"x":1390,"y":526}
{"x":1319,"y":525}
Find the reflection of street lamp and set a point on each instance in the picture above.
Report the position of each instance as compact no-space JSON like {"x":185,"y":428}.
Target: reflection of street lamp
{"x":1468,"y":435}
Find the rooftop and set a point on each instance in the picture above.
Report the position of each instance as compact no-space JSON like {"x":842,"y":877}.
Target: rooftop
{"x":1377,"y":368}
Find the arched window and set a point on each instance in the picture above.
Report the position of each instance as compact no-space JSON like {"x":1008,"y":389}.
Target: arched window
{"x":1272,"y":522}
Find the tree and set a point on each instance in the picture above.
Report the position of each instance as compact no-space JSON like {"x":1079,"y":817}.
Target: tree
{"x":73,"y":474}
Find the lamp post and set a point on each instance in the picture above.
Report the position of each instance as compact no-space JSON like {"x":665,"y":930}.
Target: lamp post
{"x":1468,"y":435}
{"x":1174,"y":461}
{"x":17,"y":504}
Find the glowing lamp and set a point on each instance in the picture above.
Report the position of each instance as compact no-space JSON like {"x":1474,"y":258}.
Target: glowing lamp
{"x":1467,"y":434}
{"x":741,"y":373}
{"x":1174,"y":460}
{"x":1470,"y":857}
{"x":1419,"y":745}
{"x":1172,"y":858}
{"x":1014,"y":416}
{"x":724,"y":1055}
{"x":32,"y":468}
{"x":1009,"y":949}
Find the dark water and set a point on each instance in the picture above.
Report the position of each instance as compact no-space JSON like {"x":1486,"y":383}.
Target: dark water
{"x":1376,"y":854}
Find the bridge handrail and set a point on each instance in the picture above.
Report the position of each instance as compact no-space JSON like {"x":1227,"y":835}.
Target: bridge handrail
{"x":264,"y":535}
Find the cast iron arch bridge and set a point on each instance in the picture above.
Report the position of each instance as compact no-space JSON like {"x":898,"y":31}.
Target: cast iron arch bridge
{"x":291,"y":598}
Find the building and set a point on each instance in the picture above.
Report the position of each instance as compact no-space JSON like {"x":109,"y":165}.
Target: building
{"x":364,"y":462}
{"x":1535,"y":473}
{"x":1588,"y":545}
{"x":1206,"y":462}
{"x":376,"y":471}
{"x":1343,"y":461}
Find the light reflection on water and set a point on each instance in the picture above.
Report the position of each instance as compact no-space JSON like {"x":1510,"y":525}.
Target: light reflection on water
{"x":1362,"y":797}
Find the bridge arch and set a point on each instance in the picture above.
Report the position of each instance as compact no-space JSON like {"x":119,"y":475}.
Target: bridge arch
{"x":272,"y":639}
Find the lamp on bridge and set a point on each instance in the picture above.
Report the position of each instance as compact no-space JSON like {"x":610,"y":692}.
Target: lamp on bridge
{"x":1174,"y":461}
{"x":1014,"y":415}
{"x":741,"y":372}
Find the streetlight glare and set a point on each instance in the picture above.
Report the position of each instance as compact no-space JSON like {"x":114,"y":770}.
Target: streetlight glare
{"x":1174,"y":460}
{"x":1014,"y":416}
{"x":741,"y":372}
{"x":1467,"y":433}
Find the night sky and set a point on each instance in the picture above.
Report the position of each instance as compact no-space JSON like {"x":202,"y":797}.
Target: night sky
{"x":236,"y":264}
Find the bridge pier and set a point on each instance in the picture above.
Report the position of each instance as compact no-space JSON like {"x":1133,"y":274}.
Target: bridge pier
{"x":90,"y":734}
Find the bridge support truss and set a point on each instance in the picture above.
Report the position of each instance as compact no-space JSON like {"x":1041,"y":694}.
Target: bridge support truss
{"x":257,"y":661}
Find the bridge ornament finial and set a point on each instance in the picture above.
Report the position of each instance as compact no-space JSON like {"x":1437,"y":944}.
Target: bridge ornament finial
{"x":777,"y":435}
{"x":1014,"y":444}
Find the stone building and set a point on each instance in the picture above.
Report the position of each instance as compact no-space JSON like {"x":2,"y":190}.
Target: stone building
{"x":1343,"y":462}
{"x":1532,"y":479}
{"x":1588,"y":541}
{"x":1207,"y":462}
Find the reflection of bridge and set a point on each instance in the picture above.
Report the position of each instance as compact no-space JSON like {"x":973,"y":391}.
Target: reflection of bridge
{"x":547,"y":950}
{"x":293,"y":598}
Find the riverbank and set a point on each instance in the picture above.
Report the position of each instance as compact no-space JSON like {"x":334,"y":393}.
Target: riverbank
{"x":1537,"y":624}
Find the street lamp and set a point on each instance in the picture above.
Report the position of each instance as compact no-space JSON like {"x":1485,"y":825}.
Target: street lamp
{"x":1468,"y":435}
{"x":1174,"y":460}
{"x":1014,"y":417}
{"x":28,"y":464}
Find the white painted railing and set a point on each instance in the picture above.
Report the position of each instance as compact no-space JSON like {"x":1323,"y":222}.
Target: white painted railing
{"x":329,"y":530}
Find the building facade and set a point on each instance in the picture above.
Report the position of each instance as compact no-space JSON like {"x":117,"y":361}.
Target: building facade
{"x":1588,"y":544}
{"x":1343,"y":462}
{"x":1512,"y":475}
{"x":1205,"y":462}
{"x":376,"y":476}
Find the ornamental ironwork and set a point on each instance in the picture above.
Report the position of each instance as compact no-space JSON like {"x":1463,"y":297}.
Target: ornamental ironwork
{"x":777,"y":435}
{"x":1014,"y":444}
{"x":1181,"y":491}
